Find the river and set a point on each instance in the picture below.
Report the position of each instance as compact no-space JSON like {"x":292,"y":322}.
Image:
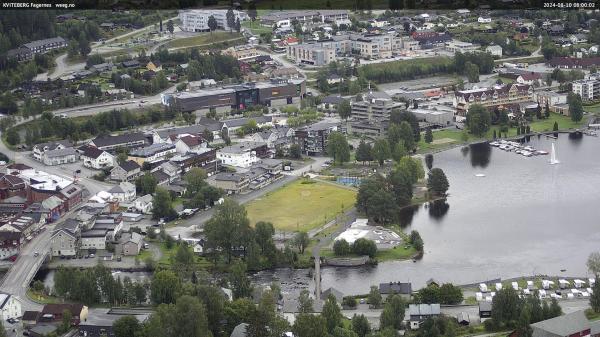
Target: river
{"x":525,"y":217}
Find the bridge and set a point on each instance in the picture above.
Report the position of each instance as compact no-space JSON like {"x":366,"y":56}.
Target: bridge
{"x":17,"y":279}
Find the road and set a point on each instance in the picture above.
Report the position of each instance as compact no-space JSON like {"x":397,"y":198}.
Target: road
{"x":187,"y":227}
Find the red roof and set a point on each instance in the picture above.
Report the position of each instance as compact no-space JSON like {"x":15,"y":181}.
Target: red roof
{"x":191,"y":140}
{"x":531,"y":76}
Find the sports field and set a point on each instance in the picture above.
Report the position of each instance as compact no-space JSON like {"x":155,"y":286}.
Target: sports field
{"x":301,"y":205}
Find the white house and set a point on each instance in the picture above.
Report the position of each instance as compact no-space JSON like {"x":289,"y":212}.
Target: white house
{"x":59,"y":156}
{"x":124,"y":192}
{"x":40,"y":149}
{"x":239,"y":155}
{"x":95,"y":158}
{"x":94,"y":239}
{"x":484,"y":19}
{"x":143,"y":204}
{"x":9,"y":306}
{"x":189,"y":143}
{"x":494,"y":49}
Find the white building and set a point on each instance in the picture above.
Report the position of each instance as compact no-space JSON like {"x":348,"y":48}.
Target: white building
{"x":494,"y":49}
{"x":484,"y":19}
{"x":124,"y":192}
{"x":95,"y":158}
{"x":196,"y":20}
{"x":239,"y":155}
{"x":455,"y":46}
{"x":143,"y":204}
{"x":40,"y":149}
{"x":9,"y":306}
{"x":59,"y":156}
{"x":588,"y":89}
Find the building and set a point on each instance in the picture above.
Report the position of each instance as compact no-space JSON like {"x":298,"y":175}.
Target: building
{"x":10,"y":306}
{"x":189,"y":143}
{"x":143,"y":204}
{"x":588,"y":89}
{"x":39,"y":149}
{"x":313,"y":138}
{"x":11,"y":186}
{"x":101,"y":325}
{"x":196,"y":20}
{"x":46,"y":45}
{"x":242,"y":154}
{"x":60,"y":156}
{"x":569,"y":325}
{"x":256,"y":177}
{"x":331,"y":102}
{"x":130,"y":244}
{"x":10,"y":244}
{"x":96,"y":158}
{"x":154,"y":66}
{"x":398,"y":288}
{"x":54,"y":312}
{"x":276,"y":92}
{"x":367,"y":128}
{"x":420,"y":312}
{"x":243,"y":53}
{"x":124,"y":192}
{"x":20,"y":54}
{"x":485,"y":309}
{"x":205,"y":158}
{"x":283,"y":19}
{"x":94,"y":239}
{"x":499,"y":95}
{"x":441,"y":118}
{"x":494,"y":49}
{"x":65,"y":239}
{"x":152,"y":153}
{"x":127,"y":171}
{"x":375,"y":106}
{"x":316,"y":54}
{"x":574,"y":62}
{"x":549,"y":98}
{"x":111,"y":143}
{"x":456,"y":46}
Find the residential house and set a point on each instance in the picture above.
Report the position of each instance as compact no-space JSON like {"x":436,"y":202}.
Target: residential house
{"x":242,"y":154}
{"x":143,"y":204}
{"x":39,"y":149}
{"x":101,"y":325}
{"x":170,"y":169}
{"x":124,"y":192}
{"x":130,"y":244}
{"x":60,"y":156}
{"x":549,"y":98}
{"x":273,"y":136}
{"x":10,"y":244}
{"x":131,"y":64}
{"x":189,"y":143}
{"x":495,"y":50}
{"x":10,"y":307}
{"x":397,"y":288}
{"x":161,"y":177}
{"x":420,"y":312}
{"x":127,"y":171}
{"x":569,"y":325}
{"x":530,"y":78}
{"x":11,"y":185}
{"x":54,"y":312}
{"x":152,"y":153}
{"x":154,"y":66}
{"x":574,"y":62}
{"x":111,"y":143}
{"x":96,"y":158}
{"x":206,"y":159}
{"x":65,"y":238}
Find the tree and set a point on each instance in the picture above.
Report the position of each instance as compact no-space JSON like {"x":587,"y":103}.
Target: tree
{"x":146,"y":184}
{"x":407,"y":135}
{"x":412,"y":166}
{"x":263,"y":235}
{"x":295,"y":151}
{"x":393,"y":313}
{"x":547,"y":110}
{"x":170,"y":26}
{"x":478,"y":119}
{"x":381,"y":150}
{"x":364,"y":246}
{"x":555,"y":127}
{"x":360,"y":325}
{"x":416,"y":240}
{"x":505,"y":306}
{"x":212,"y":23}
{"x":301,"y":241}
{"x":307,"y":325}
{"x":428,"y":136}
{"x":162,"y":204}
{"x":363,"y":152}
{"x":341,"y":247}
{"x":344,"y":109}
{"x":575,"y":107}
{"x":374,"y":299}
{"x":228,"y":228}
{"x":164,"y":287}
{"x":12,"y":136}
{"x":472,"y":72}
{"x":305,"y":303}
{"x":66,"y":320}
{"x":239,"y":281}
{"x":230,"y":19}
{"x":401,"y":181}
{"x":523,"y":327}
{"x":338,"y":148}
{"x":126,"y":326}
{"x":375,"y":200}
{"x":331,"y":313}
{"x":437,"y":183}
{"x":593,"y":263}
{"x":450,"y":294}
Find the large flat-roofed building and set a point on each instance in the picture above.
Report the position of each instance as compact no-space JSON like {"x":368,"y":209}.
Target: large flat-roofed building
{"x":374,"y":106}
{"x":242,"y":154}
{"x":284,"y":19}
{"x":588,"y":89}
{"x":152,"y":153}
{"x":273,"y":93}
{"x":316,"y":54}
{"x":312,"y":139}
{"x":434,"y":117}
{"x":196,"y":20}
{"x":499,"y":95}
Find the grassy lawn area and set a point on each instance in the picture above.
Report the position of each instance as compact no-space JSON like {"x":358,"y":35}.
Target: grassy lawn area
{"x":592,"y":108}
{"x":256,"y":28}
{"x":167,"y":253}
{"x":591,"y":315}
{"x":301,"y":205}
{"x":203,"y":39}
{"x":42,"y":298}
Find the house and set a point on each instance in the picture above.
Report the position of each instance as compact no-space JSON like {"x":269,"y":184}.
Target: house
{"x":124,"y":192}
{"x":111,"y":143}
{"x":189,"y":143}
{"x":152,"y":153}
{"x":495,"y":50}
{"x":161,"y":177}
{"x":170,"y":169}
{"x":96,"y":158}
{"x":242,"y":154}
{"x":65,"y":238}
{"x":154,"y":66}
{"x":143,"y":204}
{"x":127,"y":171}
{"x":339,"y":296}
{"x":573,"y":324}
{"x":39,"y":149}
{"x":94,"y":239}
{"x":484,"y":19}
{"x":46,"y":45}
{"x":274,"y":136}
{"x":60,"y":156}
{"x":130,"y":244}
{"x":400,"y":288}
{"x":131,"y":64}
{"x":10,"y":306}
{"x":313,"y":138}
{"x":331,"y":102}
{"x":485,"y":309}
{"x":30,"y":318}
{"x":54,"y":312}
{"x":530,"y":78}
{"x":101,"y":325}
{"x":10,"y":186}
{"x":420,"y":312}
{"x":205,"y":159}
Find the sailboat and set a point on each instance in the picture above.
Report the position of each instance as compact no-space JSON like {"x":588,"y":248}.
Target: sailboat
{"x":553,"y":159}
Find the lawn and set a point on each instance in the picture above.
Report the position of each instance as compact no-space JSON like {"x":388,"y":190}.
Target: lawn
{"x":301,"y":205}
{"x":592,"y":108}
{"x":203,"y":39}
{"x":256,"y":28}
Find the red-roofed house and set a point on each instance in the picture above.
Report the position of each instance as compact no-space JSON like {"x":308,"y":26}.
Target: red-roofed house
{"x":529,"y":78}
{"x":189,"y":143}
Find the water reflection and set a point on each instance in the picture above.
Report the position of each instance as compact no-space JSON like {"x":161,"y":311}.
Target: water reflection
{"x":480,"y":154}
{"x":406,"y":215}
{"x":464,"y":150}
{"x":429,"y":161}
{"x":438,"y":208}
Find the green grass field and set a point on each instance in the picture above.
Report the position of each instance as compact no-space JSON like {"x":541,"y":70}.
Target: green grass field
{"x":301,"y":206}
{"x":256,"y":28}
{"x":203,"y":39}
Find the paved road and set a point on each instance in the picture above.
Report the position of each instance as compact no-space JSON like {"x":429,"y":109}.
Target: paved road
{"x":187,"y":227}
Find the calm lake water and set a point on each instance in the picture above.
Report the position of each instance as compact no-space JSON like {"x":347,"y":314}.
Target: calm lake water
{"x":524,"y":217}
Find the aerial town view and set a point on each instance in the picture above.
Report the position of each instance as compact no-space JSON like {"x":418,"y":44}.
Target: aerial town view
{"x":264,"y":169}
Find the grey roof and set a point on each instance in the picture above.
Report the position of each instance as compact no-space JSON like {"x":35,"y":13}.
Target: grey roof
{"x":395,"y":288}
{"x":240,"y":330}
{"x":485,"y":306}
{"x":241,"y":147}
{"x":129,"y":166}
{"x":69,"y":151}
{"x":242,"y":121}
{"x":224,"y":176}
{"x":339,"y":296}
{"x":424,"y":309}
{"x":119,"y":139}
{"x":152,"y":150}
{"x":53,"y":145}
{"x":204,"y":124}
{"x":565,"y":325}
{"x":332,"y":99}
{"x":320,"y":126}
{"x":41,"y":43}
{"x":94,"y":233}
{"x":43,"y":329}
{"x":145,"y":198}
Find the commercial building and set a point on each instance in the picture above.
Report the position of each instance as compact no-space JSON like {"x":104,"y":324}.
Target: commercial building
{"x":312,"y":139}
{"x":375,"y":106}
{"x":259,"y":175}
{"x":111,"y":143}
{"x":316,"y":54}
{"x":224,"y":99}
{"x":456,"y":46}
{"x":65,"y":238}
{"x":499,"y":95}
{"x":495,"y":50}
{"x":60,"y":156}
{"x":242,"y":154}
{"x":284,"y":19}
{"x":196,"y":20}
{"x":432,"y":117}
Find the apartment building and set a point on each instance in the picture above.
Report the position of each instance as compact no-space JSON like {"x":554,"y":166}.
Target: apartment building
{"x":196,"y":20}
{"x":375,"y":106}
{"x":313,"y":138}
{"x":317,"y":54}
{"x":285,"y":19}
{"x":46,"y":45}
{"x":491,"y":97}
{"x":588,"y":89}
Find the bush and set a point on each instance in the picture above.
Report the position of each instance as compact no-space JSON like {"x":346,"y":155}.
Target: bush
{"x":349,"y":302}
{"x":341,"y":247}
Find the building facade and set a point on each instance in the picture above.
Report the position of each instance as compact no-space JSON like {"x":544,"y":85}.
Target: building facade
{"x":492,"y":97}
{"x":196,"y":20}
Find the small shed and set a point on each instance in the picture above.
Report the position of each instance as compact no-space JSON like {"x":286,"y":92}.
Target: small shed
{"x":485,"y":309}
{"x":463,"y":318}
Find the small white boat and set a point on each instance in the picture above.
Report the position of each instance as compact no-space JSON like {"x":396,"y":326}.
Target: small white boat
{"x":541,"y":152}
{"x":480,"y":175}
